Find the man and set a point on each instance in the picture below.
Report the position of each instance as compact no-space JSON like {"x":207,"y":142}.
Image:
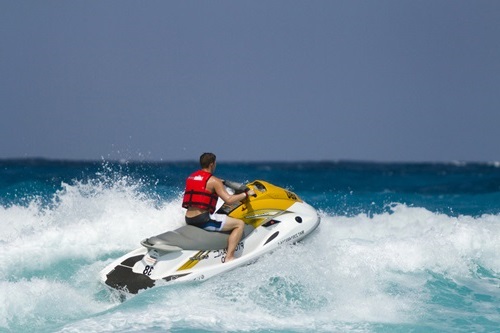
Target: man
{"x":200,"y":198}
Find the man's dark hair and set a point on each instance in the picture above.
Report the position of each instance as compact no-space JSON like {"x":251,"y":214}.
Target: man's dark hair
{"x":206,"y":159}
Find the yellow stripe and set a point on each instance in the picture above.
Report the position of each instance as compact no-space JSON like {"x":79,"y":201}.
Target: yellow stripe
{"x":194,"y":260}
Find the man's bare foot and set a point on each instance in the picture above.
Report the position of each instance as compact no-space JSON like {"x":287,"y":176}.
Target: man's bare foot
{"x":229,"y":259}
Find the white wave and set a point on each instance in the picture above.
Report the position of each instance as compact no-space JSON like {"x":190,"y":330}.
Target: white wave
{"x":38,"y":302}
{"x":495,"y":164}
{"x":410,"y":239}
{"x":352,"y":272}
{"x":85,"y":224}
{"x":335,"y":280}
{"x":86,"y":221}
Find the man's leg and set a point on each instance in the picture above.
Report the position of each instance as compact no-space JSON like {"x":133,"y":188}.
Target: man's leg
{"x":237,"y":227}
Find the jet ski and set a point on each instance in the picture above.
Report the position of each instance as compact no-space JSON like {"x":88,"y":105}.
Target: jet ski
{"x":273,"y":216}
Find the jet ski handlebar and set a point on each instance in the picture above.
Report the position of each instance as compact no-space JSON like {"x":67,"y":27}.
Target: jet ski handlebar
{"x":237,"y":187}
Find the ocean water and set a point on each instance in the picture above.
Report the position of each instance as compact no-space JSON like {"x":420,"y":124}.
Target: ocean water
{"x":401,"y":248}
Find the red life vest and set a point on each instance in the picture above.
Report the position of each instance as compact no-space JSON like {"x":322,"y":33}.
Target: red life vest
{"x":196,"y":194}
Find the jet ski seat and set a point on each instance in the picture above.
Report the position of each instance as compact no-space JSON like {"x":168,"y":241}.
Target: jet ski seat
{"x":189,"y":237}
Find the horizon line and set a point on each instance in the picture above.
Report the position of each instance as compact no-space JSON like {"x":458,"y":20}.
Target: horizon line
{"x":153,"y":161}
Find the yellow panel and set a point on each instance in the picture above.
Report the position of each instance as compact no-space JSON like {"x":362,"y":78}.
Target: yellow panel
{"x":270,"y":201}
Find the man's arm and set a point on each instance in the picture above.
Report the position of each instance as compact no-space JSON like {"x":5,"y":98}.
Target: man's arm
{"x":223,"y":194}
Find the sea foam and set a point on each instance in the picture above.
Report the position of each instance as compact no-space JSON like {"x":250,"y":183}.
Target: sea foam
{"x":353,"y":273}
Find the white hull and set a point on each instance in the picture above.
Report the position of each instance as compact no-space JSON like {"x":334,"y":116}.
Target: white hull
{"x":140,"y":270}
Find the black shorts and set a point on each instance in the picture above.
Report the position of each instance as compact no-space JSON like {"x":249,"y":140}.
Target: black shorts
{"x":207,"y":222}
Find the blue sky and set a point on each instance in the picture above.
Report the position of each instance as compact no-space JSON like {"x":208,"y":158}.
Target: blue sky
{"x":250,"y":80}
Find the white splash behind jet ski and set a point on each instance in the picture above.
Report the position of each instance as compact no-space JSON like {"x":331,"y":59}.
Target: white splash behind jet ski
{"x":274,"y":216}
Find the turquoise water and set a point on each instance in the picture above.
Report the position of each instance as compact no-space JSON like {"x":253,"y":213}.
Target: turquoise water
{"x":401,"y":248}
